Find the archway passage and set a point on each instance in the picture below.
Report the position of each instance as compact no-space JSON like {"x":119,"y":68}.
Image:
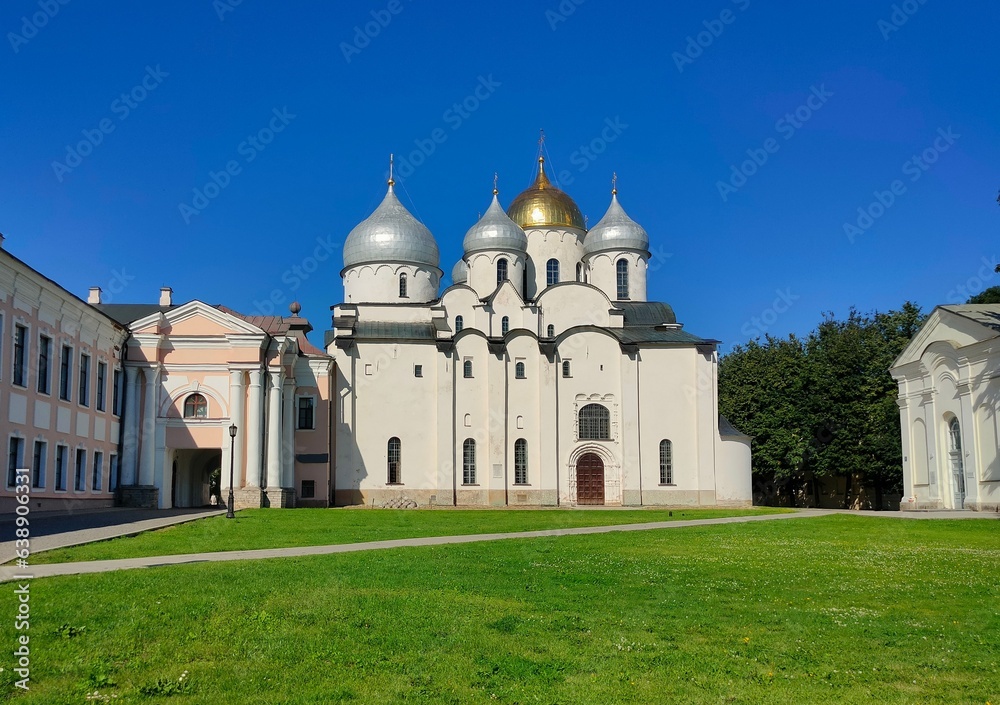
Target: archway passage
{"x":590,"y":479}
{"x":196,"y":477}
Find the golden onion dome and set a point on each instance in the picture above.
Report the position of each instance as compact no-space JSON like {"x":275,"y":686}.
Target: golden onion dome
{"x":542,"y":205}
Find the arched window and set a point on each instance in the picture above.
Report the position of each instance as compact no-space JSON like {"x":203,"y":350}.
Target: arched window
{"x":504,"y":325}
{"x":955,"y":435}
{"x":469,"y":462}
{"x":579,"y":272}
{"x":622,"y":268}
{"x":552,"y":272}
{"x":402,"y":285}
{"x":520,"y":462}
{"x":196,"y":407}
{"x":567,"y":369}
{"x":467,"y":369}
{"x":519,"y":370}
{"x":394,"y":455}
{"x":501,"y":270}
{"x":459,"y":324}
{"x":551,"y":331}
{"x":595,"y":423}
{"x":666,"y":463}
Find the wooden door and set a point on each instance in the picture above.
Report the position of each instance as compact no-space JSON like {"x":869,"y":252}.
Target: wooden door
{"x":590,"y":480}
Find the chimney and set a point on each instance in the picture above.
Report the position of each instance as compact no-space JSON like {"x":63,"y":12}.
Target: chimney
{"x":95,"y":295}
{"x":166,"y":296}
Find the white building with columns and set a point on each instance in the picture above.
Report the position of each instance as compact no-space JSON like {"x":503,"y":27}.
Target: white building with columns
{"x":949,"y":403}
{"x":541,"y":376}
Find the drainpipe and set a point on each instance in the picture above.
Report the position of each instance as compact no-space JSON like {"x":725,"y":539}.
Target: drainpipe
{"x":638,"y":421}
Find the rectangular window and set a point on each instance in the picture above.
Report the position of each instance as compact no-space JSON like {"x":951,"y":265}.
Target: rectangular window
{"x":666,"y":463}
{"x":44,"y":357}
{"x":80,"y":479}
{"x":84,"y":379}
{"x":102,"y":380}
{"x":112,"y":473}
{"x":38,"y":464}
{"x":116,"y":393}
{"x":567,"y":369}
{"x":418,"y":370}
{"x":66,"y":373}
{"x":20,"y":369}
{"x":520,"y":462}
{"x":61,"y":468}
{"x":307,"y":420}
{"x":97,"y":481}
{"x":15,"y":457}
{"x":469,"y":462}
{"x":308,"y":489}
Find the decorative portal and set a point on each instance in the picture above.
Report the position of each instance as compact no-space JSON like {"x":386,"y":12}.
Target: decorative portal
{"x":590,"y":479}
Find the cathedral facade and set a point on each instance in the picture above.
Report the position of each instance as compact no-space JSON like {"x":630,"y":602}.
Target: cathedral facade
{"x":542,"y":376}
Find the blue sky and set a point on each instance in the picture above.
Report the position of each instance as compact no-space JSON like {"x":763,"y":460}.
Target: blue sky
{"x":302,"y":102}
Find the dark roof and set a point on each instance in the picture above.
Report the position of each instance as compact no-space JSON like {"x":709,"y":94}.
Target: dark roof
{"x":727,"y":429}
{"x":126,"y":313}
{"x":984,"y":314}
{"x":634,"y":335}
{"x":390,"y":330}
{"x":646,"y":313}
{"x":272,"y":325}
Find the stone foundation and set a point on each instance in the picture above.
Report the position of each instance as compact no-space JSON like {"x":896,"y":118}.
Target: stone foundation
{"x":281,"y":498}
{"x":140,"y":497}
{"x":246,"y":498}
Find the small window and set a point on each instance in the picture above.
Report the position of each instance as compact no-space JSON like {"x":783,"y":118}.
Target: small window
{"x":567,"y":370}
{"x":196,"y":407}
{"x":552,"y":272}
{"x":519,"y":370}
{"x":459,"y":324}
{"x":38,"y":464}
{"x":97,"y":481}
{"x":595,"y":423}
{"x":579,"y":272}
{"x":504,"y":325}
{"x":307,"y":415}
{"x":66,"y":373}
{"x":84,"y":398}
{"x":501,"y":271}
{"x":102,"y":379}
{"x":551,"y":331}
{"x":20,"y":353}
{"x":15,"y":458}
{"x":666,"y":463}
{"x":467,"y":369}
{"x":469,"y":462}
{"x":394,"y":453}
{"x":622,"y":271}
{"x":308,"y":489}
{"x":418,"y":370}
{"x":520,"y":462}
{"x":402,"y":285}
{"x":61,"y":460}
{"x":112,"y":473}
{"x":116,"y":393}
{"x":80,"y":481}
{"x":44,"y":364}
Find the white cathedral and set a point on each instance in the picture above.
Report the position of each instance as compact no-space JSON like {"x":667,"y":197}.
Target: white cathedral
{"x":541,"y":376}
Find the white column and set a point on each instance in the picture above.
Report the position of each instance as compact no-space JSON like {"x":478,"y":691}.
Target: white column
{"x":288,"y":437}
{"x":236,"y":396}
{"x":274,"y":426}
{"x":147,"y":466}
{"x":255,"y":415}
{"x":130,"y":428}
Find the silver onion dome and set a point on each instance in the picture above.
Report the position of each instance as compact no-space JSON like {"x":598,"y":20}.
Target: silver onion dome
{"x":616,"y":231}
{"x":391,"y":234}
{"x":460,"y":272}
{"x":495,"y":231}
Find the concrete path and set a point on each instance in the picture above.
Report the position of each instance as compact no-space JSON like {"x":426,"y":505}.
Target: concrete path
{"x":9,"y":573}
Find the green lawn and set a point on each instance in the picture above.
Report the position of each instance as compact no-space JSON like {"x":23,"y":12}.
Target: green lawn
{"x":838,"y":609}
{"x":267,"y":528}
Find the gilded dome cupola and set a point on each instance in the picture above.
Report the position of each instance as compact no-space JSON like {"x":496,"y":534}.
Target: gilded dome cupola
{"x":543,"y":205}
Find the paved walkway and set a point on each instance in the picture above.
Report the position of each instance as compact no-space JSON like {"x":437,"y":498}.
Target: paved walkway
{"x":9,"y":573}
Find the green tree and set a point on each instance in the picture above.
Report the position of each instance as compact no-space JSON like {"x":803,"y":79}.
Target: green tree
{"x":987,"y":296}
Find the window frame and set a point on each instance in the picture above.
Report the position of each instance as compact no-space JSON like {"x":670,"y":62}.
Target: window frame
{"x":84,"y":380}
{"x":113,"y":472}
{"x":312,"y":489}
{"x":97,"y":473}
{"x":622,"y":279}
{"x":61,"y":468}
{"x":467,"y":368}
{"x":67,"y":354}
{"x":15,"y":458}
{"x":567,"y":369}
{"x":550,"y":331}
{"x":403,"y":286}
{"x":505,"y":325}
{"x":19,"y":358}
{"x":459,"y":323}
{"x":44,"y":381}
{"x":101,"y":392}
{"x":394,"y":466}
{"x":667,"y":462}
{"x":521,"y":461}
{"x":519,"y":370}
{"x":311,"y":398}
{"x":593,"y":426}
{"x":552,"y":272}
{"x":502,"y":270}
{"x":191,"y":402}
{"x":39,"y":461}
{"x":469,"y":462}
{"x":418,"y":370}
{"x":116,"y":391}
{"x":80,"y":471}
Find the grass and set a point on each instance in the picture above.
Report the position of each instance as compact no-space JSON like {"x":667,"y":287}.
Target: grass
{"x":842,"y":609}
{"x":266,"y":528}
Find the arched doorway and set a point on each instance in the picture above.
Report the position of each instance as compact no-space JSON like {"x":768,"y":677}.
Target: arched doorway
{"x":957,"y":462}
{"x":590,"y":479}
{"x":195,"y":477}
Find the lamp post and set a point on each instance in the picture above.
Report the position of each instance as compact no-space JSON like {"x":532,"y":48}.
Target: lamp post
{"x":232,"y":455}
